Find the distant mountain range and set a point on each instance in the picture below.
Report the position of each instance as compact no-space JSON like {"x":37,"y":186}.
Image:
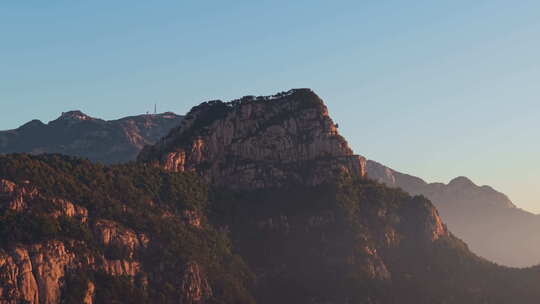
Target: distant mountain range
{"x":484,"y":218}
{"x":77,"y":134}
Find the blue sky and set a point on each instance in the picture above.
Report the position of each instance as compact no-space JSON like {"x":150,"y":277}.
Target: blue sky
{"x":437,"y":89}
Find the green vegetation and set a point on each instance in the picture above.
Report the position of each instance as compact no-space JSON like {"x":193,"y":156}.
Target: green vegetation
{"x":139,"y":197}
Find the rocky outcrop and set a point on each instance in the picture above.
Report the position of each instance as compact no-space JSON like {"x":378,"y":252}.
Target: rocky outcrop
{"x":69,"y":209}
{"x":22,"y":197}
{"x":75,"y":133}
{"x":34,"y":273}
{"x":194,"y":286}
{"x":37,"y":272}
{"x":258,"y":142}
{"x":435,"y":228}
{"x":15,"y":197}
{"x":110,"y":233}
{"x":121,"y":267}
{"x":49,"y":264}
{"x":89,"y":295}
{"x":18,"y":281}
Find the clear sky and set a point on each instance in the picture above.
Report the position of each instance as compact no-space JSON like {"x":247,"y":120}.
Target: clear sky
{"x":437,"y":89}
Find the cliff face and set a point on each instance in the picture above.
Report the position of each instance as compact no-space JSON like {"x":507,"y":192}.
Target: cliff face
{"x":75,"y":133}
{"x":484,"y":218}
{"x":35,"y":272}
{"x":260,"y":142}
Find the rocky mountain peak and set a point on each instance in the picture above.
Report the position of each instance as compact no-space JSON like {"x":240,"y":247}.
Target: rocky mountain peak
{"x":258,"y":142}
{"x":75,"y":115}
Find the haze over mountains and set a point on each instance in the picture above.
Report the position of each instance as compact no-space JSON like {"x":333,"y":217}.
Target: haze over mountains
{"x":484,"y":218}
{"x":258,"y":200}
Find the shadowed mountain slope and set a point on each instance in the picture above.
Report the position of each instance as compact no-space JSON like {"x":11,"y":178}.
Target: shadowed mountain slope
{"x":484,"y":218}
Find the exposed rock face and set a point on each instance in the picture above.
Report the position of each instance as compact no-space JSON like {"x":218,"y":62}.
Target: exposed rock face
{"x":434,"y":226}
{"x":484,"y":218}
{"x":18,"y":281}
{"x":36,"y":273}
{"x":89,"y":295}
{"x":110,"y":233}
{"x":69,"y":209}
{"x":49,"y":263}
{"x":14,"y":196}
{"x":121,"y":267}
{"x":75,"y":133}
{"x":194,"y":286}
{"x":19,"y":198}
{"x":258,"y":143}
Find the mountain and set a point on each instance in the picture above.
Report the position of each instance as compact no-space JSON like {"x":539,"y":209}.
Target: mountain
{"x":258,"y":200}
{"x":75,"y":133}
{"x":484,"y":218}
{"x":309,"y":224}
{"x":258,"y":143}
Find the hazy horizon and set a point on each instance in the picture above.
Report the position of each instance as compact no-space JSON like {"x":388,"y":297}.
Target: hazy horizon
{"x":434,"y":90}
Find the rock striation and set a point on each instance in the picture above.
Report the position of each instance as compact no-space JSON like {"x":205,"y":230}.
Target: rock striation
{"x":258,"y":142}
